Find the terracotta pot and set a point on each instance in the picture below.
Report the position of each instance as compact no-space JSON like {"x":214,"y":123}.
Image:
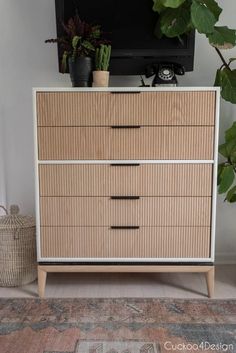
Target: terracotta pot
{"x":81,"y":71}
{"x":101,"y":78}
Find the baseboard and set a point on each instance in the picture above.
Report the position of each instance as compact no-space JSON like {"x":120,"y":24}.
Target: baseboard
{"x":225,"y":258}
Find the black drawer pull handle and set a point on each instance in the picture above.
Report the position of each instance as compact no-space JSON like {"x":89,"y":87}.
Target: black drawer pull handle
{"x":125,"y":126}
{"x":125,"y":197}
{"x":124,"y":227}
{"x":125,"y":92}
{"x":124,"y":164}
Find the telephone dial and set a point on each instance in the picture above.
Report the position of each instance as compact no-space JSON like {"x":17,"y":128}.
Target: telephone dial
{"x":164,"y":73}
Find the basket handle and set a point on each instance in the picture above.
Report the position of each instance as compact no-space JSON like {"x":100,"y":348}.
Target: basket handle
{"x":4,"y":209}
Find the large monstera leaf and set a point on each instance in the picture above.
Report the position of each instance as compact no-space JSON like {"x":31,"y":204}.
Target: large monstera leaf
{"x":213,"y":7}
{"x":222,"y":37}
{"x":158,"y":6}
{"x":226,"y":79}
{"x":175,"y":22}
{"x":203,"y":18}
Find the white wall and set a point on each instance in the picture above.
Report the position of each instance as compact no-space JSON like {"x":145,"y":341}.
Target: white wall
{"x":26,"y":61}
{"x":2,"y":162}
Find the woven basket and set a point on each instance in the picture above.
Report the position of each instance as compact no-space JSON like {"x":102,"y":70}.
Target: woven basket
{"x":18,"y":264}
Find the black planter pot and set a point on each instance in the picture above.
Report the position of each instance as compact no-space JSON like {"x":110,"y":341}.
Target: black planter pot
{"x":81,"y":71}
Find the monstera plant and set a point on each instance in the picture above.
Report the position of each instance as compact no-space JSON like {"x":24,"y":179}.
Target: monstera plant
{"x":177,"y":17}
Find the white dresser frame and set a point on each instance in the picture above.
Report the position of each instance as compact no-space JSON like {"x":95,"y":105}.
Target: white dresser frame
{"x":126,"y":261}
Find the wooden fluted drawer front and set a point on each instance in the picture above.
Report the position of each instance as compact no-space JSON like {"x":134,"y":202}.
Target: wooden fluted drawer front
{"x":142,"y":180}
{"x":146,"y":242}
{"x":86,"y":143}
{"x":146,"y":211}
{"x":144,"y":108}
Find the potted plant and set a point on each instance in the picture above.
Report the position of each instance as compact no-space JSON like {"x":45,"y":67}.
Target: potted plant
{"x":227,"y":169}
{"x":102,"y":61}
{"x":78,"y":44}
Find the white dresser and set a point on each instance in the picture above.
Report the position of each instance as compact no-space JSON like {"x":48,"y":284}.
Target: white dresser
{"x":126,"y":180}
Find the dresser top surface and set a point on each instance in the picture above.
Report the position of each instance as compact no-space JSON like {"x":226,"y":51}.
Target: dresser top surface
{"x":124,"y":89}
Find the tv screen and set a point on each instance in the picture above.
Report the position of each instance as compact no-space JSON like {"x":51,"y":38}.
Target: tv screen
{"x":129,"y":24}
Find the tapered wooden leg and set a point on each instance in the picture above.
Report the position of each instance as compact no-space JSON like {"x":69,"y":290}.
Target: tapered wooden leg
{"x":210,"y":279}
{"x":42,"y":276}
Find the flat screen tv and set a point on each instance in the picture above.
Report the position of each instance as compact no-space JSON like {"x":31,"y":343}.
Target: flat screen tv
{"x":129,"y":24}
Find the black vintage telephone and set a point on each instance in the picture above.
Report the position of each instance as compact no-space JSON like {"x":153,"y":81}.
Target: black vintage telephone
{"x":164,"y":73}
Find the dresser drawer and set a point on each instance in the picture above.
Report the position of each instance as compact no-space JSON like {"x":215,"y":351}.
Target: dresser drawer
{"x":124,"y":180}
{"x":146,"y":242}
{"x":106,"y":108}
{"x":88,"y":143}
{"x":145,"y":211}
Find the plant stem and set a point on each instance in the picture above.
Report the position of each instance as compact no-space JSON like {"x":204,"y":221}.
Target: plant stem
{"x":222,"y":58}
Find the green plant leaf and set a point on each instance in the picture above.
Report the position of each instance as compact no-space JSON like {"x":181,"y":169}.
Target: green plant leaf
{"x":228,"y":85}
{"x":222,"y":38}
{"x":172,"y":3}
{"x":64,"y":62}
{"x":218,"y":80}
{"x":158,"y":6}
{"x":96,"y":32}
{"x":233,"y":159}
{"x":223,"y":150}
{"x":230,"y":134}
{"x":219,"y":171}
{"x":86,"y":44}
{"x":231,"y":195}
{"x":75,"y":41}
{"x":227,"y":178}
{"x":175,"y":22}
{"x":228,"y":148}
{"x":203,"y":19}
{"x":213,"y":7}
{"x":233,"y":199}
{"x":231,"y":147}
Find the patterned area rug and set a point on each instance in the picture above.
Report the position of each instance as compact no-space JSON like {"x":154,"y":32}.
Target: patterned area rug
{"x":117,"y":325}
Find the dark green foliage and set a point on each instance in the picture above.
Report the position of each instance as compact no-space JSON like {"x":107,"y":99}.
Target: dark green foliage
{"x":203,"y":18}
{"x":175,"y":22}
{"x":227,"y":169}
{"x":222,"y":37}
{"x":226,"y":79}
